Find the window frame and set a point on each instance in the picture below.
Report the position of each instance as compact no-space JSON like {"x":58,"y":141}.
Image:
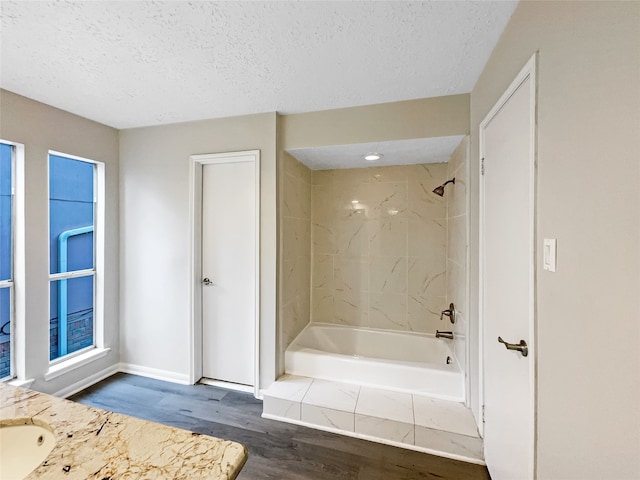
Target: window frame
{"x":97,"y":272}
{"x":11,"y":283}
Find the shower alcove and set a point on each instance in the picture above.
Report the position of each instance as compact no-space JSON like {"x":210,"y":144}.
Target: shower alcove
{"x":369,"y":257}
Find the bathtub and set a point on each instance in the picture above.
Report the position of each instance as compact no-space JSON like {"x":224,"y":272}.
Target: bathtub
{"x":408,"y":362}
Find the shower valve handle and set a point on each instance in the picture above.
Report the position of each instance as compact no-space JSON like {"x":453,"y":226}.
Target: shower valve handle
{"x":450,"y":312}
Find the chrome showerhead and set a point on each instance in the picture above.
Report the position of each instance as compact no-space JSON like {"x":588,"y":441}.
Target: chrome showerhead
{"x":440,"y":190}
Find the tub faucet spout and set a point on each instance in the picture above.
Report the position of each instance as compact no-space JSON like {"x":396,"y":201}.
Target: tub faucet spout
{"x":440,"y":334}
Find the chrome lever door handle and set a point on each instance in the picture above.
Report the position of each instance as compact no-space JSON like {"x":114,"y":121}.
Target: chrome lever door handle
{"x":520,"y":347}
{"x":206,"y":282}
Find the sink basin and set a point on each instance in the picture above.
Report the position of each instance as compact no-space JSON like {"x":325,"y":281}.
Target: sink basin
{"x":22,"y":449}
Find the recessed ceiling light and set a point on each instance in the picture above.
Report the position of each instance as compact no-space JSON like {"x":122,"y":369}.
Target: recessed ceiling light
{"x":371,"y":156}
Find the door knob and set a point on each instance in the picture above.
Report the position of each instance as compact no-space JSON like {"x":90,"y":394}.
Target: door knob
{"x":207,"y":282}
{"x":520,"y":347}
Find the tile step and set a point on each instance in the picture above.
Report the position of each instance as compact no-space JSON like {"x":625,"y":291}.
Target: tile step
{"x":415,"y":422}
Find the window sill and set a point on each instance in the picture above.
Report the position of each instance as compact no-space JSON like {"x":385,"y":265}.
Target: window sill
{"x":21,"y":383}
{"x":75,"y":362}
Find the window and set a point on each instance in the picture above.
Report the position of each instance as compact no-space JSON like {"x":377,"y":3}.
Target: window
{"x":6,"y":259}
{"x":73,"y":236}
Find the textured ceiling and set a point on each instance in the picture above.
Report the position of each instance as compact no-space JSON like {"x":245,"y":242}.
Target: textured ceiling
{"x":401,"y":152}
{"x":137,"y":63}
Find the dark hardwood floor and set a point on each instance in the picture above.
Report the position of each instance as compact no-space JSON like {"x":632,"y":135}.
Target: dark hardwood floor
{"x":276,"y":450}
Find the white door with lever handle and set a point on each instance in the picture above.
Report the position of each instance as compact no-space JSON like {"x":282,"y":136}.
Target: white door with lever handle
{"x":507,"y":274}
{"x":229,"y":240}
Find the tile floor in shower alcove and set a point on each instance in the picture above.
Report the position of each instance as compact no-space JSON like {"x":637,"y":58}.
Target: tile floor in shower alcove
{"x":276,"y":450}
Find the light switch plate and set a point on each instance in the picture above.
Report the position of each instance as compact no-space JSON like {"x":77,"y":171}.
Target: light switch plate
{"x":549,"y":254}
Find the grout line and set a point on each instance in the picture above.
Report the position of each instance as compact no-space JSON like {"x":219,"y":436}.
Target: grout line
{"x":413,"y":412}
{"x":306,"y":392}
{"x":355,"y":408}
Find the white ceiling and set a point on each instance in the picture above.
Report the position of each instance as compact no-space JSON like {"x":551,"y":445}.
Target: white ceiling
{"x":137,"y":63}
{"x":401,"y":152}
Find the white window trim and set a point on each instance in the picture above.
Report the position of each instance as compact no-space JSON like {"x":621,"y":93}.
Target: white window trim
{"x":21,"y":383}
{"x":18,"y":340}
{"x":70,"y":362}
{"x":78,"y":360}
{"x":10,"y":285}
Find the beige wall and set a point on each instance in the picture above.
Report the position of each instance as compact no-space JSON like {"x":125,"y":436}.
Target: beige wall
{"x":426,"y":117}
{"x":155,"y":304}
{"x":295,"y":281}
{"x":457,"y":247}
{"x":588,"y":320}
{"x":379,"y":262}
{"x":41,"y":128}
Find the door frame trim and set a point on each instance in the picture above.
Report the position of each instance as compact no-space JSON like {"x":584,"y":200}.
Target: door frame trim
{"x":529,"y":71}
{"x":197,"y":163}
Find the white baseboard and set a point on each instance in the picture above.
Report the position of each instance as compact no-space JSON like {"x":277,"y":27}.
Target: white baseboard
{"x":155,"y":373}
{"x":125,"y":368}
{"x":87,"y":382}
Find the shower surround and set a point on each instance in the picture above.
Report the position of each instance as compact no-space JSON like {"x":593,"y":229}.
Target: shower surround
{"x":378,"y":247}
{"x":295,"y":242}
{"x":374,"y":247}
{"x":458,"y":247}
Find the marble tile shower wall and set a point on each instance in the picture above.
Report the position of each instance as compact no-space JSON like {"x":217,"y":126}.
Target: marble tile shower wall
{"x":458,"y":244}
{"x":379,"y":247}
{"x":296,"y":249}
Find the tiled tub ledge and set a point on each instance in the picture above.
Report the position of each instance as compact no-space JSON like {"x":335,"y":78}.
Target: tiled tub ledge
{"x":415,"y":422}
{"x":94,"y":443}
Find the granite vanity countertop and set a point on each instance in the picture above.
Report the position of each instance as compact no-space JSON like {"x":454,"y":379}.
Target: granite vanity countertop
{"x":95,"y":444}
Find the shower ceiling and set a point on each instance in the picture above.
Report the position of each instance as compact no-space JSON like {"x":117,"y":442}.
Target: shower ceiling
{"x":401,"y":152}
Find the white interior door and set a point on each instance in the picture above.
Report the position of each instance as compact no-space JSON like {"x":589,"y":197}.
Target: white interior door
{"x":229,"y":269}
{"x":507,"y":223}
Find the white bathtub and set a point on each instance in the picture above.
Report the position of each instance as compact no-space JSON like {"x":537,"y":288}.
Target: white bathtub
{"x":410,"y":362}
